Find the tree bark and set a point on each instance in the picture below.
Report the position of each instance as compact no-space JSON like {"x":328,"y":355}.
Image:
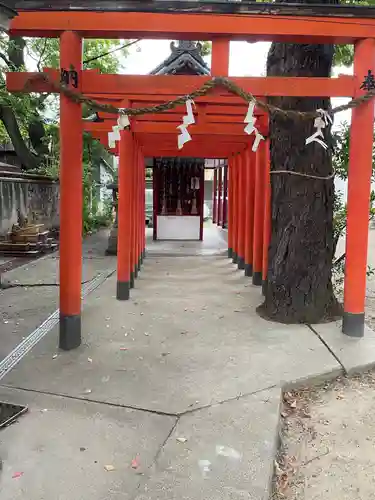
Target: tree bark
{"x":29,"y":160}
{"x":299,"y":287}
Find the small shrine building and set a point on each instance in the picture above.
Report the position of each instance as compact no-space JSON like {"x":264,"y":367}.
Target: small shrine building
{"x":178,"y":183}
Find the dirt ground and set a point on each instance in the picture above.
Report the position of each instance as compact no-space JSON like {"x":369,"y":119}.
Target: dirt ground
{"x":327,"y":442}
{"x":327,"y":436}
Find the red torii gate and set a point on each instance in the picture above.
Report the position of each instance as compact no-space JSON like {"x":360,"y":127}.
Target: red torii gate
{"x":248,"y":223}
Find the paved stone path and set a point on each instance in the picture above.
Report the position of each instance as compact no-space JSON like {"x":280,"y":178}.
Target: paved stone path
{"x":173,"y":395}
{"x":23,"y":309}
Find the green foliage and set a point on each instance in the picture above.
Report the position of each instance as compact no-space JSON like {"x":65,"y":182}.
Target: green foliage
{"x":343,"y":55}
{"x":45,"y":53}
{"x":93,"y":151}
{"x":35,"y":54}
{"x":206,"y":48}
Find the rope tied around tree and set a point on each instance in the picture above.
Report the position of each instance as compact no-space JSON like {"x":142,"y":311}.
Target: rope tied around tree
{"x":217,"y":81}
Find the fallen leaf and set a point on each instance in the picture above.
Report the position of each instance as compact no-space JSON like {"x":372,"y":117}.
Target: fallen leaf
{"x":284,"y":414}
{"x":181,"y":440}
{"x":135,"y":463}
{"x":89,"y":360}
{"x":283,"y":482}
{"x":87,"y":391}
{"x":16,"y":475}
{"x":293,"y":404}
{"x":82,"y":449}
{"x":165,"y":354}
{"x":277,"y":468}
{"x":147,"y":334}
{"x":54,"y":356}
{"x":109,"y":468}
{"x":124,"y":349}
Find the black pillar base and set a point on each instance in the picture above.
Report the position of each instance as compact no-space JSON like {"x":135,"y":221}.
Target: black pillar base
{"x":123,"y":290}
{"x":257,"y":278}
{"x":136,"y":271}
{"x":353,"y":325}
{"x":264,"y":287}
{"x":234,"y":257}
{"x":248,"y":270}
{"x":131,"y":283}
{"x":241,"y":263}
{"x":230,"y":253}
{"x":70,"y":332}
{"x":139,"y":263}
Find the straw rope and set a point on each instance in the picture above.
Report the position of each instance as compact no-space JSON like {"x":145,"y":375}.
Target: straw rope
{"x":202,"y":91}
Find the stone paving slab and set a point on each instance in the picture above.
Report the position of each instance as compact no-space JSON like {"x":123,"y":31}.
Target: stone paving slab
{"x":355,"y":354}
{"x":228,"y":454}
{"x":213,"y":243}
{"x":61,"y":448}
{"x":189,"y":337}
{"x":23,"y":309}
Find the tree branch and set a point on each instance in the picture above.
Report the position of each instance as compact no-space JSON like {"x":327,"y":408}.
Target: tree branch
{"x":28,"y":159}
{"x":6,"y":60}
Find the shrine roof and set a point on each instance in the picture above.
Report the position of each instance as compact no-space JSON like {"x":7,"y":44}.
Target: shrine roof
{"x":186,"y":57}
{"x":194,"y":6}
{"x":8,"y":9}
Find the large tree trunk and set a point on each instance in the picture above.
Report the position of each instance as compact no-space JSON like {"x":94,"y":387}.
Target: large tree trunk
{"x":299,"y":288}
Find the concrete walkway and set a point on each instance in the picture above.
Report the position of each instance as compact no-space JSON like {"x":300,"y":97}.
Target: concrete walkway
{"x":214,"y":243}
{"x":23,"y":309}
{"x":173,"y":395}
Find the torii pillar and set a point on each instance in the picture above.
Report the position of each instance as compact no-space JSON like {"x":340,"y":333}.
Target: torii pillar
{"x":359,"y":188}
{"x":71,"y":195}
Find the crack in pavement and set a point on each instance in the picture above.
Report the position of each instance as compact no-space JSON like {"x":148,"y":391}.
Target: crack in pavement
{"x":139,"y":408}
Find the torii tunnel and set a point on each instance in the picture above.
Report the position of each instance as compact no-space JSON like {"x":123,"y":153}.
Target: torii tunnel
{"x":218,"y":132}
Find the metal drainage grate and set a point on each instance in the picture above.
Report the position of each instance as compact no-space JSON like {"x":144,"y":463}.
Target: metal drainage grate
{"x":9,"y":413}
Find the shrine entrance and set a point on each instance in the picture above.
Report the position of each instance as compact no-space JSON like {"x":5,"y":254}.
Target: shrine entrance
{"x":197,"y":116}
{"x":178,"y":199}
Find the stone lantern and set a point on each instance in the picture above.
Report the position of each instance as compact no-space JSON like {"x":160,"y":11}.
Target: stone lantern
{"x":6,"y":15}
